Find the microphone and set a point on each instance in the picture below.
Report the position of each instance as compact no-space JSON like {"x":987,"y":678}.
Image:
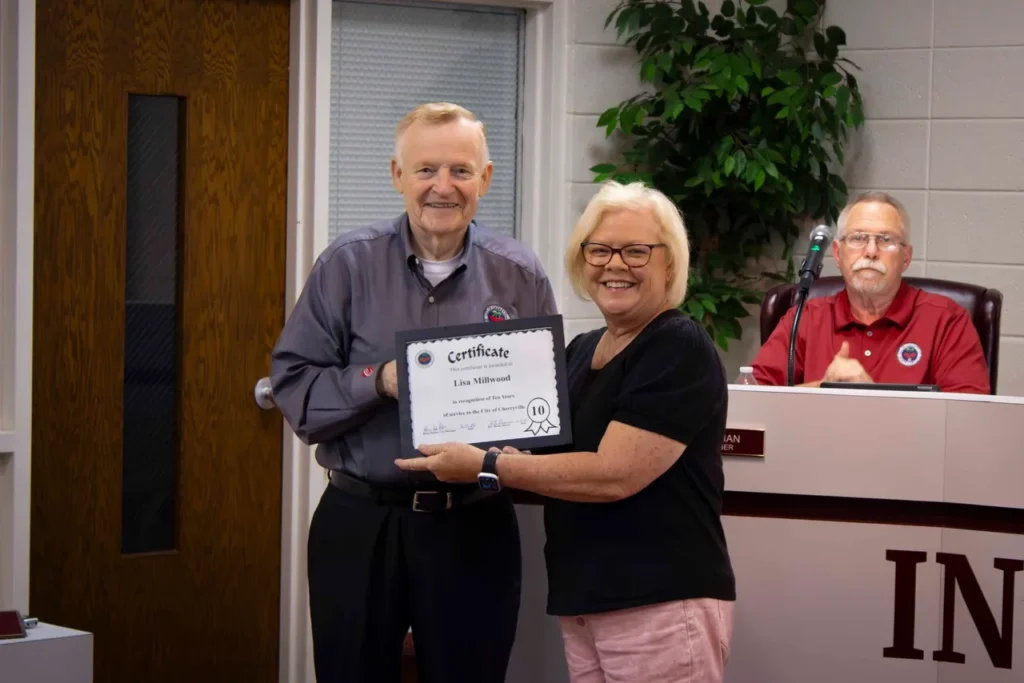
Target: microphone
{"x":810,"y":269}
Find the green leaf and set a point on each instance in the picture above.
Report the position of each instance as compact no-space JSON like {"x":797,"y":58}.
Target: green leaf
{"x":781,"y":97}
{"x":790,"y":77}
{"x":603,"y":168}
{"x":842,"y":100}
{"x":695,"y":309}
{"x":783,"y":113}
{"x":767,"y":15}
{"x":665,"y":62}
{"x":806,"y":8}
{"x":755,"y":66}
{"x":730,"y":165}
{"x":688,"y":45}
{"x":831,"y":78}
{"x":794,"y":154}
{"x":742,"y":84}
{"x":709,"y":304}
{"x":649,"y":71}
{"x":693,"y":103}
{"x":817,"y":131}
{"x":759,"y":180}
{"x":836,"y":35}
{"x":728,"y":8}
{"x":608,"y":117}
{"x":767,"y":90}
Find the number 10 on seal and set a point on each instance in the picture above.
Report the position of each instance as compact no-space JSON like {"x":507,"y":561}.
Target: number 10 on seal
{"x":487,"y":384}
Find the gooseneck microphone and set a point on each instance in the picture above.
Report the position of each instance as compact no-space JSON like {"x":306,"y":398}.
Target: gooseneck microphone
{"x":810,"y":270}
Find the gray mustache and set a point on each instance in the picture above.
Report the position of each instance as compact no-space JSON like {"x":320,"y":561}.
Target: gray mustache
{"x":868,"y":264}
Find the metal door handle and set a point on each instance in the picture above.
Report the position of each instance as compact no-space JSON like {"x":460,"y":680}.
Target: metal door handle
{"x":264,"y":394}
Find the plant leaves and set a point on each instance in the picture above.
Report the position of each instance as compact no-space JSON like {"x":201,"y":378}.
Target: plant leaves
{"x":831,"y":78}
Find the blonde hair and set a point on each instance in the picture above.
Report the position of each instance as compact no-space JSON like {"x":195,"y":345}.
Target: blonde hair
{"x":436,"y":114}
{"x":875,"y":197}
{"x":615,"y":196}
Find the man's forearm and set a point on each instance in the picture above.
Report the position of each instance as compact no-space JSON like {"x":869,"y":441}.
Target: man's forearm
{"x":321,"y":403}
{"x":581,"y":477}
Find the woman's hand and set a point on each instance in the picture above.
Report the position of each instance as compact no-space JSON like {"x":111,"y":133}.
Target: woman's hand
{"x":454,"y":463}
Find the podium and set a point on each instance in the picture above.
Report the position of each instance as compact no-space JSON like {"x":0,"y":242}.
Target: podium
{"x":880,"y":537}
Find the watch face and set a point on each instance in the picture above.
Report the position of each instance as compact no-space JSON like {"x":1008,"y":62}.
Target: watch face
{"x":489,"y":482}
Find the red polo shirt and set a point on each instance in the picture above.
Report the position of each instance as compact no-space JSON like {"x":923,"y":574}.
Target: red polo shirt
{"x":923,"y":338}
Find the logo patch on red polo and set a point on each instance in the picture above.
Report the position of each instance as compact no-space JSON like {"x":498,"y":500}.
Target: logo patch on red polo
{"x":909,"y":354}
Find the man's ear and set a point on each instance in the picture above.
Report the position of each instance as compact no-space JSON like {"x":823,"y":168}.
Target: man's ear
{"x":396,"y":175}
{"x":485,"y":179}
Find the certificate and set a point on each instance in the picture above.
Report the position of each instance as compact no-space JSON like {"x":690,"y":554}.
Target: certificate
{"x":487,"y":384}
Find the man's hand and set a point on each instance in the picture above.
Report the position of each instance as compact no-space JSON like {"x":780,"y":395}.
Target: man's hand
{"x":846,"y":369}
{"x":387,"y":380}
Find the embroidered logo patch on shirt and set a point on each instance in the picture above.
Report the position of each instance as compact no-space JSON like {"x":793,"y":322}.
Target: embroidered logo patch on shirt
{"x":367,"y":371}
{"x":424,"y":359}
{"x":495,"y":314}
{"x":909,"y":354}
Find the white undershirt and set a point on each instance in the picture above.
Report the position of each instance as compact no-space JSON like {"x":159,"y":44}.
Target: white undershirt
{"x":436,"y":271}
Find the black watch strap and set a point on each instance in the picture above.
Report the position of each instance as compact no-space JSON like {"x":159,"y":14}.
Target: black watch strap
{"x":491,"y":461}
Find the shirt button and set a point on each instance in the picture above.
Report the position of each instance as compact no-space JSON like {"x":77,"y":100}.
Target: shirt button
{"x":430,"y":299}
{"x":870,"y":333}
{"x":868,"y":352}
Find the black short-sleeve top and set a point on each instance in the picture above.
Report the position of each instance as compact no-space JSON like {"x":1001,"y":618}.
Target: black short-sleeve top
{"x":666,"y":542}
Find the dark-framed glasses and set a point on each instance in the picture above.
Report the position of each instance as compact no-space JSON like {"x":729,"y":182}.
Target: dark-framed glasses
{"x":633,"y":255}
{"x":859,"y":241}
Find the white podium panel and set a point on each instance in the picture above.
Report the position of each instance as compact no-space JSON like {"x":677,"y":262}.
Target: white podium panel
{"x":880,"y":538}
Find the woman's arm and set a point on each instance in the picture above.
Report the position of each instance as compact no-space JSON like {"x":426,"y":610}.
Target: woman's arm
{"x":627,"y":461}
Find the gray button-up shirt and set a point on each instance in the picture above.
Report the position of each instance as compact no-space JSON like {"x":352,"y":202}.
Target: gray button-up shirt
{"x":367,"y":285}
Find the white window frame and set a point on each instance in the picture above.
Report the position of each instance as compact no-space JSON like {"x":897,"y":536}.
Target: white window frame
{"x":545,"y":211}
{"x":17,"y":172}
{"x":544,"y":208}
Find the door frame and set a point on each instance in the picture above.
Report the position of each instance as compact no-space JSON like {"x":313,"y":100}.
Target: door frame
{"x":546,"y":215}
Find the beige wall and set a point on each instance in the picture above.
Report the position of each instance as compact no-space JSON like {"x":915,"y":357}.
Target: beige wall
{"x":943,"y":84}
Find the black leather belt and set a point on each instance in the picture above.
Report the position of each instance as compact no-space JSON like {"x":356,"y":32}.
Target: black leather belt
{"x":419,"y":500}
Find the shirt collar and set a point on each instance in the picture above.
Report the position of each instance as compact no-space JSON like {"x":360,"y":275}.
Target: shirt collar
{"x":410,"y":255}
{"x":899,"y":312}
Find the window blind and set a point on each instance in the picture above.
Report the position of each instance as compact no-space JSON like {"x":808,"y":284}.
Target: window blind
{"x":386,"y":58}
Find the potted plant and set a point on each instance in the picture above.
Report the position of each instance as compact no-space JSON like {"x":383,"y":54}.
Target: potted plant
{"x":742,"y":123}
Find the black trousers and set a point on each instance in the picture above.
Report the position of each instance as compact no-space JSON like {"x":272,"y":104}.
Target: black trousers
{"x":453,"y":576}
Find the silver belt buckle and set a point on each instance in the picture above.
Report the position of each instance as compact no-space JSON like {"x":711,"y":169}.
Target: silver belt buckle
{"x":416,"y":500}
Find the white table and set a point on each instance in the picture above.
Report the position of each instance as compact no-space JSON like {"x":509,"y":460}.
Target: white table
{"x":50,"y":654}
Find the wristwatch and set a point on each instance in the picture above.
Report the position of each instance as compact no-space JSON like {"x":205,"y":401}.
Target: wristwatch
{"x":488,"y":477}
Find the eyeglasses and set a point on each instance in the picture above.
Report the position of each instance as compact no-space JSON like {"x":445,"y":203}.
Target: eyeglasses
{"x":633,"y":255}
{"x":859,"y":241}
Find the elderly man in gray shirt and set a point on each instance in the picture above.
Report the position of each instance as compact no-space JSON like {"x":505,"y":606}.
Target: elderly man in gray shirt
{"x":390,"y":549}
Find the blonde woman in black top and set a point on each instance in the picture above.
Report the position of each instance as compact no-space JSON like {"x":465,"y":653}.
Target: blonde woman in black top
{"x":638,"y":567}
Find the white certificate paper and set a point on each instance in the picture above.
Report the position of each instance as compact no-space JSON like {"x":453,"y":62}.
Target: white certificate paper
{"x":494,"y":388}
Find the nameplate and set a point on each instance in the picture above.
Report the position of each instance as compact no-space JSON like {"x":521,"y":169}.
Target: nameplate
{"x":747,"y":442}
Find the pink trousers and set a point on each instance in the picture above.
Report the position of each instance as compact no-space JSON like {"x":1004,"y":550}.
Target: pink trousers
{"x":685,"y":641}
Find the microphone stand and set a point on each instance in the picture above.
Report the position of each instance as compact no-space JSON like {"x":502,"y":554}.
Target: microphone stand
{"x":801,"y":297}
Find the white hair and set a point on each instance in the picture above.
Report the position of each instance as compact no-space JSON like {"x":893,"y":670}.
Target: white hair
{"x":436,"y":114}
{"x":875,"y":197}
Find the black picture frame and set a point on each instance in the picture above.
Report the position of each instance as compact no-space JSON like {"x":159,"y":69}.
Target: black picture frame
{"x":551,"y":322}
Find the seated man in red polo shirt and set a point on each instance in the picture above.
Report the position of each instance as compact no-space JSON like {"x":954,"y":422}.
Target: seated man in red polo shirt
{"x":879,"y":329}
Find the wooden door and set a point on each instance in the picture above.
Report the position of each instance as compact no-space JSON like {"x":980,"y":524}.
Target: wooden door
{"x":161,"y":149}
